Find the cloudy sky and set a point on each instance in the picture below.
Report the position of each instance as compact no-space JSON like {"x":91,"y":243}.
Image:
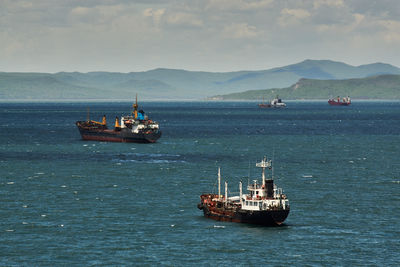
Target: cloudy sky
{"x":206,"y":35}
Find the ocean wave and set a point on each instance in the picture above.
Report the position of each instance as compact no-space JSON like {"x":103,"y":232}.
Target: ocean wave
{"x":155,"y":161}
{"x":150,"y":155}
{"x":151,"y":158}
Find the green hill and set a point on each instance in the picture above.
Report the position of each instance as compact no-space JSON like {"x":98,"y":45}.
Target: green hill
{"x":375,"y":87}
{"x":39,"y":86}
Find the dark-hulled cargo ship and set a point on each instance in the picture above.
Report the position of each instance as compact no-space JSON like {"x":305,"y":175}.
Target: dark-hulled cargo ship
{"x":135,"y":128}
{"x":264,"y":204}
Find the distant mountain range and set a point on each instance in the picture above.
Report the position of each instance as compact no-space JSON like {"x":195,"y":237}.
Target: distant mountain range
{"x":374,"y":87}
{"x":177,"y":84}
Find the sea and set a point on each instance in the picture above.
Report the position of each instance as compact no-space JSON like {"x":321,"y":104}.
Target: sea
{"x":69,"y":202}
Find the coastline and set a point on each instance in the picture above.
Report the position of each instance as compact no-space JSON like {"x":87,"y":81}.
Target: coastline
{"x":172,"y":100}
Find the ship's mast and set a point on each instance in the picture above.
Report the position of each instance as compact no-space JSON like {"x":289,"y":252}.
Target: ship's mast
{"x":219,"y":182}
{"x":264,"y":164}
{"x":135,"y":108}
{"x":272,"y":172}
{"x":226,"y":192}
{"x":240,"y":192}
{"x":271,"y":166}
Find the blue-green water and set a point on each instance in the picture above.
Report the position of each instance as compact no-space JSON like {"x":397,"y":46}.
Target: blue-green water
{"x":64,"y":201}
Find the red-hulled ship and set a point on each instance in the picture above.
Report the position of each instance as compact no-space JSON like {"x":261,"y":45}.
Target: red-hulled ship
{"x":135,"y":128}
{"x":264,"y":204}
{"x":345,"y":101}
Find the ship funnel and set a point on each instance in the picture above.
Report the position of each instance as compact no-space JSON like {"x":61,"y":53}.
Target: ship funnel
{"x":270,"y":188}
{"x":135,"y":109}
{"x":117,"y":125}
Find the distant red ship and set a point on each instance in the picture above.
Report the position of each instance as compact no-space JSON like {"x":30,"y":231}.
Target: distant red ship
{"x":345,"y":101}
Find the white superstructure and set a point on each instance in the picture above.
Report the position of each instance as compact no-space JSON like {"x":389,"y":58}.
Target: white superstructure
{"x":137,"y":125}
{"x":265,"y":196}
{"x":277,"y":103}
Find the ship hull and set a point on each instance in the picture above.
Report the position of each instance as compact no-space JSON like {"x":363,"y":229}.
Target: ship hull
{"x":270,"y":106}
{"x":336,"y":103}
{"x":264,"y":106}
{"x":266,"y":218}
{"x":122,"y":136}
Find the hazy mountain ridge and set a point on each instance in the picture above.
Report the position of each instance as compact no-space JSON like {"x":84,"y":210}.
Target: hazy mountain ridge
{"x":374,"y":87}
{"x":175,"y":84}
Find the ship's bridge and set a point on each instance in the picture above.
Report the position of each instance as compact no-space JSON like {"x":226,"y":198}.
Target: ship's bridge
{"x":257,"y":199}
{"x":256,"y":190}
{"x":265,"y":196}
{"x":265,"y":204}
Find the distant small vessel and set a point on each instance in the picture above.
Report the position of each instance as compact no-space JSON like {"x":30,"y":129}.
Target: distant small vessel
{"x":136,"y":128}
{"x":345,"y":101}
{"x":265,"y":204}
{"x":275,"y":103}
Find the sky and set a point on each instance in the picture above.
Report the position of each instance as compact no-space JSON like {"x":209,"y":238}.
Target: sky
{"x":197,"y":35}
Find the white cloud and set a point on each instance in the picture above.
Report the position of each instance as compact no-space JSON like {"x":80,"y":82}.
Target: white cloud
{"x":391,"y":34}
{"x":25,"y":4}
{"x":337,"y":29}
{"x":293,"y":16}
{"x":155,"y":14}
{"x":80,"y":11}
{"x":238,"y":4}
{"x":297,"y":13}
{"x":97,"y":14}
{"x":239,"y":31}
{"x":217,"y":35}
{"x":12,"y":46}
{"x":332,"y":3}
{"x":184,"y":19}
